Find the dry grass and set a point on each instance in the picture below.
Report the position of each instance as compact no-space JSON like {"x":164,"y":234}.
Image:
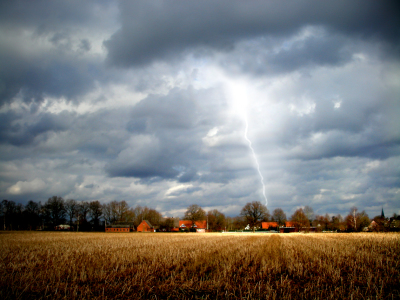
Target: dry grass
{"x":199,"y":266}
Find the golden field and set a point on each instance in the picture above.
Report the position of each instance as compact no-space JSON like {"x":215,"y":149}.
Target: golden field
{"x":37,"y":265}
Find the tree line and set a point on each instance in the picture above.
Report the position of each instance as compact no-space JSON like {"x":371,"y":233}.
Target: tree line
{"x":254,"y":213}
{"x":80,"y":215}
{"x":94,"y":216}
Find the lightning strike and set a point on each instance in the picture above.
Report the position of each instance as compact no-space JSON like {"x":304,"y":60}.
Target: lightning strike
{"x":237,"y":91}
{"x":255,"y":159}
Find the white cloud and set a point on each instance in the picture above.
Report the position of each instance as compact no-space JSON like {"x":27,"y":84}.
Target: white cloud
{"x":26,"y":187}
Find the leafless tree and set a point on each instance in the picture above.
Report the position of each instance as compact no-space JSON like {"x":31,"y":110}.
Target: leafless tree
{"x":95,"y":212}
{"x":300,"y":219}
{"x":279,"y":216}
{"x":216,"y":220}
{"x":194,"y":213}
{"x":71,"y":207}
{"x":309,"y":212}
{"x":254,"y":212}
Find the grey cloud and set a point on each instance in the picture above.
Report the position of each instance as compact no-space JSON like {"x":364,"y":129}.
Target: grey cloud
{"x":48,"y":75}
{"x":176,"y":111}
{"x":15,"y":131}
{"x":32,"y":70}
{"x":258,"y":56}
{"x":188,"y":175}
{"x":168,"y":122}
{"x":156,"y":30}
{"x":47,"y":16}
{"x":167,"y":132}
{"x":309,"y":53}
{"x":185,"y":191}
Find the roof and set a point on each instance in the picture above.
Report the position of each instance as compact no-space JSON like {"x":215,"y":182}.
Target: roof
{"x":266,"y":225}
{"x":147,"y":223}
{"x":197,"y":224}
{"x":289,"y":224}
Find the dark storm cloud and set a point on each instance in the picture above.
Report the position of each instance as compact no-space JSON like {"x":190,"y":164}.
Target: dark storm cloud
{"x":258,"y":56}
{"x":28,"y":67}
{"x":165,"y":138}
{"x":157,"y":30}
{"x":189,"y":174}
{"x":176,"y":111}
{"x":48,"y":16}
{"x":357,"y":128}
{"x":59,"y":78}
{"x":15,"y":131}
{"x":148,"y":117}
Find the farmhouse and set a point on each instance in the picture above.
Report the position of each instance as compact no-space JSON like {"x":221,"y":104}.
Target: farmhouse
{"x":120,"y":228}
{"x":63,"y":227}
{"x":145,"y":226}
{"x":198,"y":226}
{"x":269,"y":225}
{"x":289,"y":227}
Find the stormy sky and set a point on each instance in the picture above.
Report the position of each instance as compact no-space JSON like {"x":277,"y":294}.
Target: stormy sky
{"x":148,"y":102}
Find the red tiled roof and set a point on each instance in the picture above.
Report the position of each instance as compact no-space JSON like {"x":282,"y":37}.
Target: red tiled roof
{"x":289,"y":224}
{"x":266,"y":225}
{"x":197,"y":224}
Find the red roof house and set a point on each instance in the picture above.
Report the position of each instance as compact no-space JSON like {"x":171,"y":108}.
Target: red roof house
{"x":289,"y":224}
{"x":199,"y":226}
{"x":268,"y":225}
{"x":145,"y":226}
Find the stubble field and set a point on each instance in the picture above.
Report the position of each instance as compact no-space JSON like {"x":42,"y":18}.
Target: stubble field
{"x":38,"y":265}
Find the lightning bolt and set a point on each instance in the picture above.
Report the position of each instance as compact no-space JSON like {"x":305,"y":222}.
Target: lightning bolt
{"x":255,"y":158}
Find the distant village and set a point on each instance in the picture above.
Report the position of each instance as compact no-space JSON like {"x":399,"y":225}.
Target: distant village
{"x":57,"y":214}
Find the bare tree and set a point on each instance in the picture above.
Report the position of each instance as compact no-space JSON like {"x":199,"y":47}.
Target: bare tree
{"x":110,"y":212}
{"x":167,"y":224}
{"x":351,"y":219}
{"x":254,"y":213}
{"x":279,"y":216}
{"x":309,"y":212}
{"x":216,"y":220}
{"x":300,"y":219}
{"x":70,"y":207}
{"x":337,"y":223}
{"x":82,"y":212}
{"x":55,"y":210}
{"x":121,"y":210}
{"x":194,"y":213}
{"x":357,"y":221}
{"x":95,"y":212}
{"x":32,"y":215}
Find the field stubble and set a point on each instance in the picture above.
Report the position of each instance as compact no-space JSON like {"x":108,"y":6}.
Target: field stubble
{"x":199,"y":266}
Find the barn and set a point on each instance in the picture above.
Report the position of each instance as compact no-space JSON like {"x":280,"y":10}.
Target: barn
{"x":120,"y":228}
{"x":289,"y":227}
{"x":145,"y":226}
{"x":269,"y":225}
